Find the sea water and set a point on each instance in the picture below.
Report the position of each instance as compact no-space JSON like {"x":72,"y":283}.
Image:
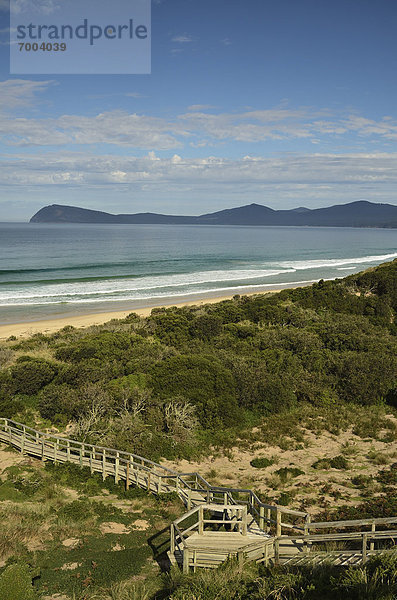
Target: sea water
{"x":56,"y":270}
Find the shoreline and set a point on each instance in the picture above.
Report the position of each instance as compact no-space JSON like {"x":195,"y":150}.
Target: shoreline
{"x":48,"y":326}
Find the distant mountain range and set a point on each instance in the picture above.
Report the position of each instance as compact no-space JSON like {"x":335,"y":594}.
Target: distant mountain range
{"x":354,"y":214}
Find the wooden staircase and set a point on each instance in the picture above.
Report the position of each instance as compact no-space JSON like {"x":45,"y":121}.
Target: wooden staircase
{"x":220,"y":522}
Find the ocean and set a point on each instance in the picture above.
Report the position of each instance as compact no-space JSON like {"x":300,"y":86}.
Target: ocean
{"x":57,"y":270}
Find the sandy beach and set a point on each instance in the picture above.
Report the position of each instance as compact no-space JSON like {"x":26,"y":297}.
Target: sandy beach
{"x":29,"y":328}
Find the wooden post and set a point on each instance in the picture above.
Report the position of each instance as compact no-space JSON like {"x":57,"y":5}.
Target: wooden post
{"x":127,"y":475}
{"x":68,"y":450}
{"x":266,"y":556}
{"x":306,"y":547}
{"x":189,"y":499}
{"x":372,"y":544}
{"x":159,"y":485}
{"x":244,"y":520}
{"x":268,"y":516}
{"x":277,"y":551}
{"x":42,"y":448}
{"x":278,"y":522}
{"x":185,"y":560}
{"x":55,"y":451}
{"x":172,"y":543}
{"x":81,"y":454}
{"x":148,"y":481}
{"x":116,"y":468}
{"x":201,"y":519}
{"x":104,"y":465}
{"x":91,"y":457}
{"x":262,"y":517}
{"x":23,"y":439}
{"x":364,"y":550}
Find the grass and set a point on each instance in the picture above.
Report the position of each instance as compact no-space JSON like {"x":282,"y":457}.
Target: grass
{"x":41,"y":512}
{"x":337,"y":462}
{"x":262,"y":462}
{"x":50,"y":530}
{"x":378,"y":458}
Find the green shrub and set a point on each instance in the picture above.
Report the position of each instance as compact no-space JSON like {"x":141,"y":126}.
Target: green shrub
{"x":261,"y":462}
{"x":206,"y":326}
{"x":284,"y":499}
{"x":339,"y":462}
{"x":202,"y":380}
{"x":388,"y":476}
{"x":59,"y":403}
{"x":286,"y":473}
{"x":29,"y":482}
{"x":361,"y":481}
{"x":29,"y":375}
{"x":16,"y":583}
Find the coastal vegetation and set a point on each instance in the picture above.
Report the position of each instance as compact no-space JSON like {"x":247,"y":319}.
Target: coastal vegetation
{"x":293,"y":394}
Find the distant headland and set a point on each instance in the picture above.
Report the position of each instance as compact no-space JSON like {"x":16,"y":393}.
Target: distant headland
{"x":354,"y":214}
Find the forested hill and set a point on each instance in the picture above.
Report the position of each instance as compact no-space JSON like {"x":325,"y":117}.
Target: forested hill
{"x":156,"y":385}
{"x":354,"y":214}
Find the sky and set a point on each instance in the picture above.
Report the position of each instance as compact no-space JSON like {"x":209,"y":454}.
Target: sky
{"x":284,"y":103}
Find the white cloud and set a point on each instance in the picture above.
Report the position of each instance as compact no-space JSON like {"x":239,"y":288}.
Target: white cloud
{"x":15,"y":93}
{"x":300,"y":171}
{"x":200,"y":107}
{"x":115,"y":127}
{"x":134,"y":95}
{"x":182,"y":39}
{"x":44,"y":7}
{"x":198,"y":127}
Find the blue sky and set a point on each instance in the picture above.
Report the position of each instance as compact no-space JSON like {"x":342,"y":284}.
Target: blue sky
{"x":280,"y":102}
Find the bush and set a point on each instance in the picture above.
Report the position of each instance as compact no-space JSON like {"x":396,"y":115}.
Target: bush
{"x":202,"y":380}
{"x":338,"y":462}
{"x":16,"y":583}
{"x":206,"y":326}
{"x":59,"y":403}
{"x":284,"y":499}
{"x":261,"y":462}
{"x":388,"y":476}
{"x":286,"y":473}
{"x":30,"y":375}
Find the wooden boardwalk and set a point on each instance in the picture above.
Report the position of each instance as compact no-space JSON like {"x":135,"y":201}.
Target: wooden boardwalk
{"x":220,"y":522}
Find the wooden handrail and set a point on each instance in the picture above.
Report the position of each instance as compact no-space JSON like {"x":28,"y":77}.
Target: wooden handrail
{"x":149,"y":467}
{"x":192,"y":487}
{"x":353,"y":523}
{"x":329,"y":537}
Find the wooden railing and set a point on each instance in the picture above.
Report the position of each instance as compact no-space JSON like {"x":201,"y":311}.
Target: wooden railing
{"x":131,"y":468}
{"x":192,"y":488}
{"x":200,"y":496}
{"x":348,"y":542}
{"x":369,"y":534}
